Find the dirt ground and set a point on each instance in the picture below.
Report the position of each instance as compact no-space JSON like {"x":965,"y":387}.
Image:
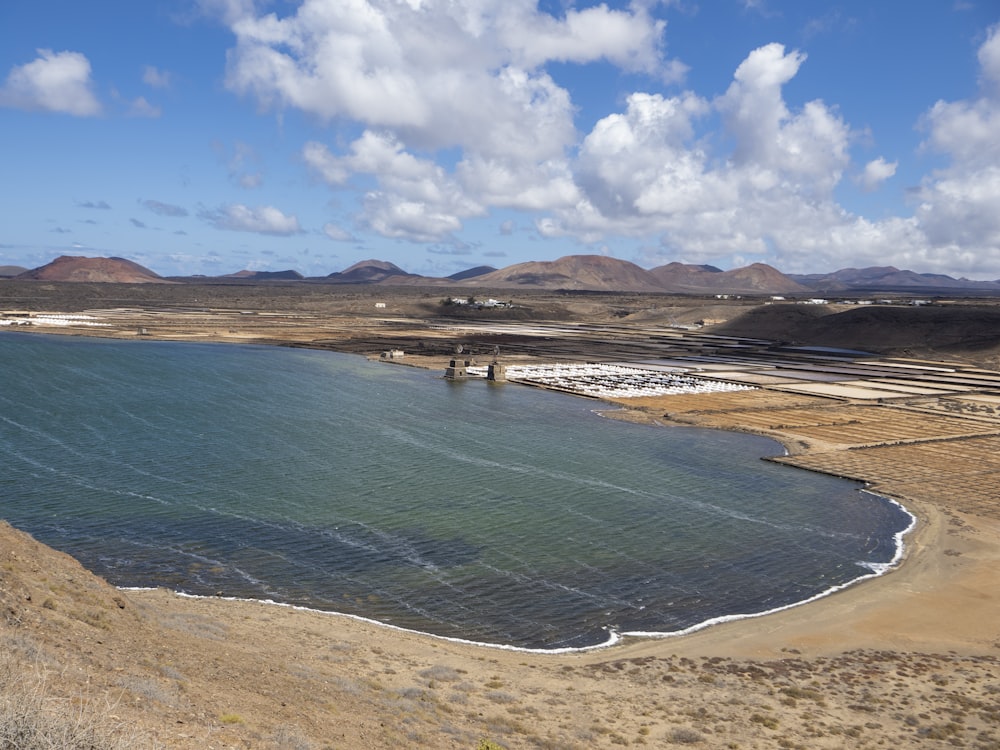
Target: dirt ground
{"x":911,"y":658}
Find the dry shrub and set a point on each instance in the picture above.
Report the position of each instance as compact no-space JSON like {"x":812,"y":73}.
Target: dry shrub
{"x":32,"y":717}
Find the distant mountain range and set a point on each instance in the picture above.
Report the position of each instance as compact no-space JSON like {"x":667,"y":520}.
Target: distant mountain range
{"x":571,"y":273}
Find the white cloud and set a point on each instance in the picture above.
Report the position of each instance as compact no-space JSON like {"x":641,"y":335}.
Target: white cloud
{"x":958,"y":206}
{"x":647,"y":172}
{"x":629,"y":38}
{"x":436,"y":74}
{"x":808,"y":149}
{"x":54,"y":82}
{"x":989,"y":61}
{"x":417,"y":199}
{"x":876,"y":172}
{"x":337,"y":233}
{"x":442,"y":73}
{"x":519,"y":184}
{"x":263,"y":220}
{"x":743,"y":175}
{"x":641,"y":162}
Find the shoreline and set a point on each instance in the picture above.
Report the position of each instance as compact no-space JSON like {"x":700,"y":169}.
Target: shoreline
{"x":615,"y":637}
{"x":908,"y":657}
{"x":614,"y":409}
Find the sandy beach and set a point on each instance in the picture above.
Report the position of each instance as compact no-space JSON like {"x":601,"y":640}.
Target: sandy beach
{"x":910,"y":658}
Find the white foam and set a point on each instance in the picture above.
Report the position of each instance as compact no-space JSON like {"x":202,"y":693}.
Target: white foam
{"x":614,"y":635}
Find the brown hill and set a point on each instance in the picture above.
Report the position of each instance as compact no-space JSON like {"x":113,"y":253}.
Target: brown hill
{"x":602,"y":274}
{"x":889,"y":278}
{"x":584,"y":272}
{"x":289,"y":275}
{"x":758,"y":278}
{"x":893,"y":329}
{"x":370,"y":272}
{"x":7,"y":272}
{"x":75,"y":268}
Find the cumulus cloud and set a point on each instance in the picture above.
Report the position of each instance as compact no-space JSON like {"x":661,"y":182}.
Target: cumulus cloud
{"x":53,"y":82}
{"x":459,"y":115}
{"x":416,"y":199}
{"x":958,"y":204}
{"x":262,"y":220}
{"x":651,"y":171}
{"x":443,"y":73}
{"x":101,"y":205}
{"x":435,"y":75}
{"x":808,"y":148}
{"x":876,"y":172}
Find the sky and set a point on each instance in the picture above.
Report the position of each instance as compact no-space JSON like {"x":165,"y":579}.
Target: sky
{"x":213,"y":136}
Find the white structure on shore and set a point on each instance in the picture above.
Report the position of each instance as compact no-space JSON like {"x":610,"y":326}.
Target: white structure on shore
{"x":612,"y":381}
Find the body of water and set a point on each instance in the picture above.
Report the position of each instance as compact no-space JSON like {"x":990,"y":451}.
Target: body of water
{"x":492,"y":513}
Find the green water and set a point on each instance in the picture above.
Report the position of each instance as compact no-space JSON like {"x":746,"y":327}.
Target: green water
{"x":499,"y":514}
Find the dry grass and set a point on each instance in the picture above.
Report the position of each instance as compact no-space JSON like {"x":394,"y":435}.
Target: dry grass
{"x":33,"y":716}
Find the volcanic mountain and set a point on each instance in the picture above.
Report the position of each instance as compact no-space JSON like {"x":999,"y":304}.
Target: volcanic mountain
{"x":600,"y":273}
{"x":471,"y":273}
{"x":889,"y":278}
{"x":8,"y":272}
{"x":76,"y":268}
{"x":582,"y":272}
{"x":289,"y":275}
{"x":758,"y":278}
{"x":370,"y":272}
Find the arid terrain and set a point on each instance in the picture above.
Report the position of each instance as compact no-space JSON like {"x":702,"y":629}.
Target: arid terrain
{"x":911,"y":658}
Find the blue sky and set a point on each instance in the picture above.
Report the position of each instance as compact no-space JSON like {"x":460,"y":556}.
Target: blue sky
{"x":211,"y":136}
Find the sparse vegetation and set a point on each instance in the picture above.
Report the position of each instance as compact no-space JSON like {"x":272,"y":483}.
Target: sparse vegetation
{"x":684,"y":736}
{"x":34,"y":717}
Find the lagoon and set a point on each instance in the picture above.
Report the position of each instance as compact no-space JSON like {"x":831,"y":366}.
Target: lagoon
{"x":498,"y":514}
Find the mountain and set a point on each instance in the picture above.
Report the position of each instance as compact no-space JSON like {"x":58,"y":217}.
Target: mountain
{"x":112,"y":270}
{"x":574,"y":272}
{"x":600,"y":273}
{"x":758,"y":278}
{"x":471,"y":273}
{"x":266,"y":275}
{"x":370,"y":272}
{"x":889,"y":279}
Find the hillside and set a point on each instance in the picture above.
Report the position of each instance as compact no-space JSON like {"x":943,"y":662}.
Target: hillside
{"x":9,"y":272}
{"x":289,"y":275}
{"x":370,"y":272}
{"x":889,"y":278}
{"x":757,"y":278}
{"x":573,"y":272}
{"x":106,"y":270}
{"x":595,"y":273}
{"x":963,"y":329}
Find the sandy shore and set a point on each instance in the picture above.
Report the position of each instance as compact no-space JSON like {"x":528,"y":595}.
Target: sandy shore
{"x":911,"y":657}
